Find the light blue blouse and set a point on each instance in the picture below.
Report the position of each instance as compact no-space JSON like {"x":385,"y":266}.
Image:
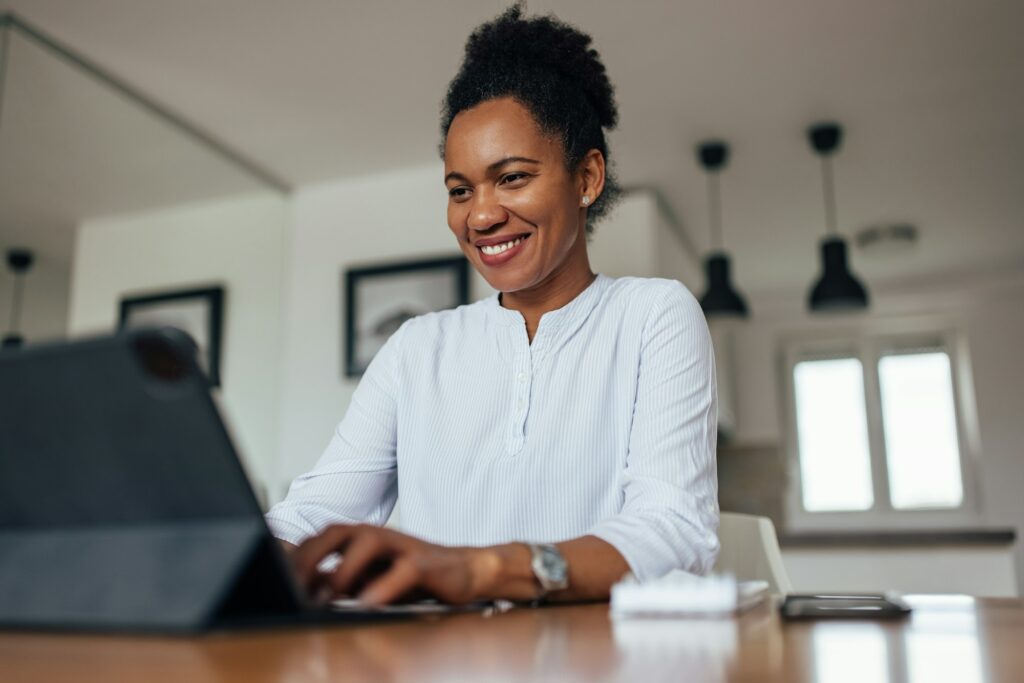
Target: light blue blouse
{"x":604,"y":425}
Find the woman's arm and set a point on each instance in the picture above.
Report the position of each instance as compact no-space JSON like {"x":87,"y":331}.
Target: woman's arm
{"x":669,"y":515}
{"x":382,"y":566}
{"x":355,"y":480}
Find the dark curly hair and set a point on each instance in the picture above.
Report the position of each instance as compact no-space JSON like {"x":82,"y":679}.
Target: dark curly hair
{"x":549,"y":67}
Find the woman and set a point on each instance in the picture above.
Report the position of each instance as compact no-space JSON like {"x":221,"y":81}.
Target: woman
{"x":549,"y":439}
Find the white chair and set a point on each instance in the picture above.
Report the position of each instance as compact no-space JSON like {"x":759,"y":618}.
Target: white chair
{"x":750,"y":551}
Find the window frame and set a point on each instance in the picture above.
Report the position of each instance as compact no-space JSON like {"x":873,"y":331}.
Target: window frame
{"x":869,"y":345}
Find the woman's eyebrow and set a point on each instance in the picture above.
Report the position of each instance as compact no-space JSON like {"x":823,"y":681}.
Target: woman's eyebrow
{"x":454,"y":175}
{"x":510,"y":160}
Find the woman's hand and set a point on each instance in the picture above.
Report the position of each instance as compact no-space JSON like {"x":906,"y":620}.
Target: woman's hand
{"x":381,"y":565}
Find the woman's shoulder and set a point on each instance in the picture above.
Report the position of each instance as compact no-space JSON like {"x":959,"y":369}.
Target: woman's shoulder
{"x":649,"y":309}
{"x":646,"y":295}
{"x":441,"y":324}
{"x":429,"y":335}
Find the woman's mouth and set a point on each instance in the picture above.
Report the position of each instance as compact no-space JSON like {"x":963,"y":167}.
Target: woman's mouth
{"x":502,"y":252}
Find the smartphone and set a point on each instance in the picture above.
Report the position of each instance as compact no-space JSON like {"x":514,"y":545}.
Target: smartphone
{"x":843,"y":606}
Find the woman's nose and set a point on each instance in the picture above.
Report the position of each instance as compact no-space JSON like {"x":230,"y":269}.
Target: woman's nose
{"x":486,"y":212}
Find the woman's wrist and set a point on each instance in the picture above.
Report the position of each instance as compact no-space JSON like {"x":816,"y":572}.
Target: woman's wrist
{"x":504,"y":571}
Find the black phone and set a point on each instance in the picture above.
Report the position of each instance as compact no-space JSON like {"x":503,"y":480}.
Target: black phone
{"x":843,"y":606}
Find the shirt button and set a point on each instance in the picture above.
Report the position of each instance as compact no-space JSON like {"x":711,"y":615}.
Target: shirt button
{"x":522,"y":403}
{"x":521,"y":377}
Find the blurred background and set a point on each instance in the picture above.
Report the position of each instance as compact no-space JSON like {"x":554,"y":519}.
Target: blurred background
{"x":264,"y":148}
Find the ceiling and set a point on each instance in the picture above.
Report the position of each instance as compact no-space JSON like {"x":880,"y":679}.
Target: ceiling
{"x":72,"y":148}
{"x":930,"y":95}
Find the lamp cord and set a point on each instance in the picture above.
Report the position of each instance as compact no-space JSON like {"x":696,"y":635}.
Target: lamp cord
{"x":19,"y":284}
{"x":715,"y":211}
{"x":829,"y":190}
{"x":5,"y":41}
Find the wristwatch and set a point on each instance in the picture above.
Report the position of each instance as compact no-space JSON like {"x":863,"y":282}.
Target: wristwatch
{"x":550,"y":568}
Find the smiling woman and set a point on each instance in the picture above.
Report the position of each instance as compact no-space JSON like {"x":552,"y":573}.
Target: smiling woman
{"x":548,"y":439}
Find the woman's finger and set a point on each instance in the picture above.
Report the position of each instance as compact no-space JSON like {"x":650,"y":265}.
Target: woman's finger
{"x":393,"y":584}
{"x":308,"y":556}
{"x":363,"y":549}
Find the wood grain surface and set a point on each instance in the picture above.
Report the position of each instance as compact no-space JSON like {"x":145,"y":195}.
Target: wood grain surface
{"x":948,"y":638}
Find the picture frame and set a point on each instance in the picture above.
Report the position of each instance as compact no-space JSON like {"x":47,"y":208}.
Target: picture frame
{"x":379,"y":298}
{"x":196,"y":311}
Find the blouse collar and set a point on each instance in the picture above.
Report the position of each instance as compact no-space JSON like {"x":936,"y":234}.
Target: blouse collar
{"x":553,"y":324}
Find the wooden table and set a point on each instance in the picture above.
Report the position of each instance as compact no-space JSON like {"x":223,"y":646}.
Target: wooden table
{"x":948,"y":638}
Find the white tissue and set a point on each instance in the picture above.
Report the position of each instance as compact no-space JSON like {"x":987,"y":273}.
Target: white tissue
{"x":682,"y":593}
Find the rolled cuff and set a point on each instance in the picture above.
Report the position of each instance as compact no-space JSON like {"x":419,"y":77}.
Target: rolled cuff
{"x":287,"y":530}
{"x":655,"y":544}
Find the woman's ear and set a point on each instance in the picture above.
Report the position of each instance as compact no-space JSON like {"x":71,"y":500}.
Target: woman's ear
{"x":591,"y":175}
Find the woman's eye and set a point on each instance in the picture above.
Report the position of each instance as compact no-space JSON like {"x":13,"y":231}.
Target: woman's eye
{"x":513,"y":177}
{"x":458,"y":192}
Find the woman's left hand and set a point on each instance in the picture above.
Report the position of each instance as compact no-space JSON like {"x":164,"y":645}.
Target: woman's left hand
{"x":381,"y":565}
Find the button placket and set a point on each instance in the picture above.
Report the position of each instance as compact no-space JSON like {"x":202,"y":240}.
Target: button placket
{"x":521,"y":384}
{"x":521,"y":398}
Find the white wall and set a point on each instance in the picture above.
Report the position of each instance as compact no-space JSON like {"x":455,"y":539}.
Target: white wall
{"x":44,"y":307}
{"x":626,"y":243}
{"x":981,"y":571}
{"x":237,"y":243}
{"x":673,"y":260}
{"x":990,"y":313}
{"x":638,"y":239}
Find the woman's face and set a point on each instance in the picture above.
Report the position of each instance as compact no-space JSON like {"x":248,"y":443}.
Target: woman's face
{"x":512,"y":204}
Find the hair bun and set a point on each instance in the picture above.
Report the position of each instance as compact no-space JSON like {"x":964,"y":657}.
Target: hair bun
{"x":549,"y":44}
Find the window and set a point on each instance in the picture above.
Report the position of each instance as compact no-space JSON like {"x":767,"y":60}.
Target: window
{"x":832,"y":431}
{"x":876,"y":433}
{"x":921,"y":446}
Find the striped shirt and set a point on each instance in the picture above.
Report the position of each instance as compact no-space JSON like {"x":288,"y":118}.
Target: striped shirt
{"x":604,"y":425}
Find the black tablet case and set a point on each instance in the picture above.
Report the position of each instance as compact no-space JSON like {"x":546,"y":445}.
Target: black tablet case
{"x":123,"y":505}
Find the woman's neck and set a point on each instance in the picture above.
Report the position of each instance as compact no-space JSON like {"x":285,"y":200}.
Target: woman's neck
{"x":563,"y":285}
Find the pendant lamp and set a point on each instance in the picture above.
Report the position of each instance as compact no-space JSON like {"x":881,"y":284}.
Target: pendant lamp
{"x":837,"y":289}
{"x":18,"y":261}
{"x":720,"y":298}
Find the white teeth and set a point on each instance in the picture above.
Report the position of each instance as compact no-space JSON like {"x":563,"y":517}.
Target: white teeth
{"x":499,"y":248}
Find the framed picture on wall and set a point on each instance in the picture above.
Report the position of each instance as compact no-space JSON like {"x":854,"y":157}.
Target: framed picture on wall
{"x":378,"y":299}
{"x":199,"y":312}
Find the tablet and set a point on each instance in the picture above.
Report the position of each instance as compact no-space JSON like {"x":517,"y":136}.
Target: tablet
{"x":123,"y":503}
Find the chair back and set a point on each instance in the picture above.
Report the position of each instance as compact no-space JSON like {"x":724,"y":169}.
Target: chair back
{"x":750,"y":551}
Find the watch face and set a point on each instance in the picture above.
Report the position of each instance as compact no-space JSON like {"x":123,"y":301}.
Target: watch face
{"x":554,"y":565}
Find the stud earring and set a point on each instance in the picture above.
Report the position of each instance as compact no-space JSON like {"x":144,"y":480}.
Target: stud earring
{"x":586,"y":200}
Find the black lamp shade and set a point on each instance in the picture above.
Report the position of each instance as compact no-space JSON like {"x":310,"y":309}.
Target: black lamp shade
{"x":721,"y":299}
{"x":837,"y":289}
{"x":12,"y":341}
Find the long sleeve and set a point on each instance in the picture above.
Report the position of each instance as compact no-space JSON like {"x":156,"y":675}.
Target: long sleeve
{"x":355,"y":478}
{"x":669,"y":517}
